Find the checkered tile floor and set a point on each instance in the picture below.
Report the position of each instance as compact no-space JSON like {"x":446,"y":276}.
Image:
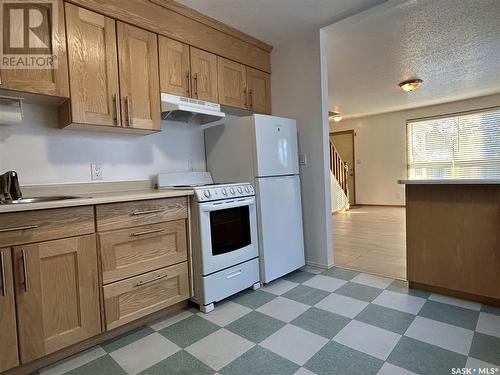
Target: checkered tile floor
{"x":332,"y":322}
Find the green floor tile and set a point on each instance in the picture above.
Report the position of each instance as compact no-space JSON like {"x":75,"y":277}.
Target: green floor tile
{"x":260,"y":361}
{"x":383,"y":317}
{"x":298,"y":276}
{"x":305,"y":294}
{"x":402,"y":287}
{"x":340,"y":273}
{"x":423,"y":358}
{"x":321,"y":322}
{"x":450,"y":314}
{"x":181,"y":363}
{"x":189,"y":330}
{"x":103,"y":365}
{"x":338,"y":359}
{"x":255,"y":326}
{"x":128,"y":338}
{"x":253,"y":299}
{"x":358,"y":291}
{"x":486,"y":348}
{"x":490,"y":309}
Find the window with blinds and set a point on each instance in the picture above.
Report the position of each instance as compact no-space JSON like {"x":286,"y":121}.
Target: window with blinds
{"x":459,"y":146}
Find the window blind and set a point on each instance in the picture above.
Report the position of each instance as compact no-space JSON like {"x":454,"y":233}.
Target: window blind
{"x":456,"y":147}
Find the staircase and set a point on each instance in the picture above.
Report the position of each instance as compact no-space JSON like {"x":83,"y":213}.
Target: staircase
{"x":339,"y":171}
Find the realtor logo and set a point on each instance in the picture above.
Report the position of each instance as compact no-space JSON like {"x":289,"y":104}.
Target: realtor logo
{"x":28,"y":30}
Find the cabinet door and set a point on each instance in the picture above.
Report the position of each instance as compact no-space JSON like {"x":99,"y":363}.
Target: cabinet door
{"x":44,"y":81}
{"x":174,"y":67}
{"x":8,"y":328}
{"x":57,"y":294}
{"x":232,"y":83}
{"x":139,"y":80}
{"x":204,"y":75}
{"x":93,"y":67}
{"x":259,"y":91}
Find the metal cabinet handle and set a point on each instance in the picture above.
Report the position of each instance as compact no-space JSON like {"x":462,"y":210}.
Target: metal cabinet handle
{"x":137,"y":234}
{"x":128,"y":103}
{"x":195,"y":80}
{"x":140,"y":283}
{"x":25,"y":270}
{"x":116,"y":106}
{"x":188,"y":82}
{"x":135,"y":213}
{"x":246,"y":97}
{"x":250,"y":93}
{"x":13,"y":229}
{"x":2,"y":269}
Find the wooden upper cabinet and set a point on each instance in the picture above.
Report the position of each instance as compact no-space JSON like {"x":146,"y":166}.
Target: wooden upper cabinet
{"x":93,"y":67}
{"x":175,"y":67}
{"x":44,"y":81}
{"x":232,"y":83}
{"x":57,"y":294}
{"x":8,"y":328}
{"x":139,"y":79}
{"x":204,"y":75}
{"x":259,"y":91}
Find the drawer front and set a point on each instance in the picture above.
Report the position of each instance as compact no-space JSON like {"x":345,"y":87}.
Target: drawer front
{"x":130,"y":252}
{"x":25,"y":227}
{"x":131,"y":299}
{"x":131,"y":214}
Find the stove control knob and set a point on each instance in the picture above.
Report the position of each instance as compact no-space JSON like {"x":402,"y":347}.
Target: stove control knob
{"x":224,"y":191}
{"x":231,"y":190}
{"x":206,"y":193}
{"x":247,"y":189}
{"x":240,"y":190}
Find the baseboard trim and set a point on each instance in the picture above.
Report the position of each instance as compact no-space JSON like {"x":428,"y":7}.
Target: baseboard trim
{"x":318,"y":265}
{"x":378,"y":205}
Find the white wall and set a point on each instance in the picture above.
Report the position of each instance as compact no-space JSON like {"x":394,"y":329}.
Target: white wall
{"x":41,"y":153}
{"x":299,"y":92}
{"x":380,"y":148}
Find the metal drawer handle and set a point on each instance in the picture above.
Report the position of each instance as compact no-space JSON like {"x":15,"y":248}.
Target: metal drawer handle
{"x":25,"y":270}
{"x":234,"y":274}
{"x":2,"y":268}
{"x":148,"y":212}
{"x":140,"y":283}
{"x":137,"y":234}
{"x":13,"y":229}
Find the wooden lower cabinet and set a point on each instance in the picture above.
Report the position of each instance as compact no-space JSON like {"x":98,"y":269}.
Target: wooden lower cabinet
{"x":57,"y":295}
{"x":133,"y":298}
{"x":8,"y":331}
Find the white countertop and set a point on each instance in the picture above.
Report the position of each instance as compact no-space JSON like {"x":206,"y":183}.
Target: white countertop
{"x":451,"y":182}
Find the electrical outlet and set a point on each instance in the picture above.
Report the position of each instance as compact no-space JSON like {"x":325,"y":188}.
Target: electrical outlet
{"x":398,"y":195}
{"x":96,"y":171}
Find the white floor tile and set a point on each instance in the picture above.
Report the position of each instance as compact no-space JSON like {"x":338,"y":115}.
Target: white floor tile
{"x":294,"y":343}
{"x":144,"y":353}
{"x":345,"y":306}
{"x":313,"y":269}
{"x":388,"y":369}
{"x":283,"y":309}
{"x":400,"y":301}
{"x":171,"y":320}
{"x":303,"y":371}
{"x":476,"y":363}
{"x":219,"y":348}
{"x":368,"y":339}
{"x":444,"y":335}
{"x":372,"y":280}
{"x":489,"y":324}
{"x":279,"y":287}
{"x":456,"y":302}
{"x":73,"y":362}
{"x":329,"y":284}
{"x":226,"y":313}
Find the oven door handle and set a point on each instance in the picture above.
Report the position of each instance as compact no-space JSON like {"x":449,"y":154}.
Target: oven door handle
{"x":232,"y":204}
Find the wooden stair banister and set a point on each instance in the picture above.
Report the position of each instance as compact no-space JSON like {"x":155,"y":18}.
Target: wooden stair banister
{"x":339,"y":168}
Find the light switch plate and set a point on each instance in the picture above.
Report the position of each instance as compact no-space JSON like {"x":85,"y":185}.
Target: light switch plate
{"x":302,"y":158}
{"x":96,"y":172}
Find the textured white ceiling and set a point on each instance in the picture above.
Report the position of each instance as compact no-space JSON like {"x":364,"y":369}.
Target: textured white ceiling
{"x":275,"y":21}
{"x":453,"y":45}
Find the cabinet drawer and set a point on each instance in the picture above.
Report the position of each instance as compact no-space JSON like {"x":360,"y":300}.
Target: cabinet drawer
{"x":130,"y":252}
{"x":131,"y":214}
{"x":130,"y":299}
{"x":35,"y":226}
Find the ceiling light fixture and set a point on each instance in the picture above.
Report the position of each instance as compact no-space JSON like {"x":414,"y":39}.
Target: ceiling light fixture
{"x":334,"y":116}
{"x":411,"y":84}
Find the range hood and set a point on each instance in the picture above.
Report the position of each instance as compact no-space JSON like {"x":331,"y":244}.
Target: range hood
{"x":179,"y":108}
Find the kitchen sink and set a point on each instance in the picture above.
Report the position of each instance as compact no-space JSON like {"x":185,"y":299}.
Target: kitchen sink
{"x":40,"y":199}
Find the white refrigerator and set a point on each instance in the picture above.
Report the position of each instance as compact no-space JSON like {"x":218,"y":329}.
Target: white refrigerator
{"x":263,"y":150}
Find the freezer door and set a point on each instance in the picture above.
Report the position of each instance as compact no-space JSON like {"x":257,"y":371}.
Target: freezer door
{"x":281,"y":240}
{"x":276,"y":150}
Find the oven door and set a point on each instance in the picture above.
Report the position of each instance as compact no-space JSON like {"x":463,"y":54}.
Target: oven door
{"x":228,"y":232}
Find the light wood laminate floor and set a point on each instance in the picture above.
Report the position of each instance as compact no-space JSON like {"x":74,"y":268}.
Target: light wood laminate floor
{"x":371,"y":239}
